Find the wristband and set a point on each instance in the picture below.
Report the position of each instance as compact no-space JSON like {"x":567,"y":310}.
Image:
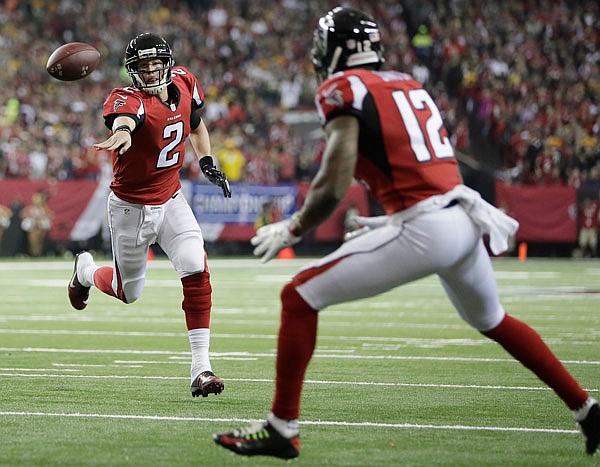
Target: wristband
{"x":122,"y":128}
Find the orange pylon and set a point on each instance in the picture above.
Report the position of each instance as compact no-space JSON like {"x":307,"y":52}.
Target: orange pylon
{"x":522,"y":252}
{"x":286,"y":253}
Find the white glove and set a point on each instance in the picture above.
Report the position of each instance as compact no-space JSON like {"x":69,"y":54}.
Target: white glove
{"x":372,"y":222}
{"x":272,"y":238}
{"x":366,"y":225}
{"x":356,"y":233}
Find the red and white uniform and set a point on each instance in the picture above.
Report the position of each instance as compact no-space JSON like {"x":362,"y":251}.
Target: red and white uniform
{"x":590,"y":216}
{"x":148,"y":173}
{"x":145,"y":205}
{"x":406,"y":159}
{"x":589,"y":225}
{"x":405,"y":154}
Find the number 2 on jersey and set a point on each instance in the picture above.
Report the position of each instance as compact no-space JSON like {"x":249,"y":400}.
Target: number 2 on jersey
{"x":174,"y":132}
{"x":420,"y":99}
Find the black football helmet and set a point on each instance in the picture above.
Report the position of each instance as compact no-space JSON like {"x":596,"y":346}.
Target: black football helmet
{"x":345,"y":38}
{"x":144,"y":46}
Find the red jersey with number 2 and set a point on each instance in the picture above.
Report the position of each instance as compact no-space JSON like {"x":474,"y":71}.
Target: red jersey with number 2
{"x":405,"y":155}
{"x":148,"y":172}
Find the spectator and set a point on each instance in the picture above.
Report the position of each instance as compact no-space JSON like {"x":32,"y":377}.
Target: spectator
{"x":14,"y":240}
{"x":269,"y":213}
{"x":575,"y":179}
{"x":423,"y":44}
{"x":286,"y":165}
{"x":589,"y":222}
{"x":231,"y":160}
{"x":537,"y":63}
{"x":36,"y":221}
{"x":290,"y":90}
{"x":5,"y":215}
{"x":591,"y":185}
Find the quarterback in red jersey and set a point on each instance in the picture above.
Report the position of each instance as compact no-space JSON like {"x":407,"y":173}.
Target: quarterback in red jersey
{"x":385,"y":129}
{"x":150,"y":122}
{"x":150,"y":172}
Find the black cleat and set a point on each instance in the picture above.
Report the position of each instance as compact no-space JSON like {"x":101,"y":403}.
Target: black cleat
{"x":260,"y":439}
{"x":207,"y":383}
{"x":590,"y":427}
{"x":79,"y":294}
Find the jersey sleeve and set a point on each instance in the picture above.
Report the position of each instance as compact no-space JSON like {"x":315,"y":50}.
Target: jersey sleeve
{"x":123,"y":102}
{"x":193,"y":86}
{"x":191,"y":82}
{"x":335,"y":97}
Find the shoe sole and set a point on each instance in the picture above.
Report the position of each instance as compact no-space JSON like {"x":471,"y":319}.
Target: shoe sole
{"x":213,"y":387}
{"x":72,"y":287}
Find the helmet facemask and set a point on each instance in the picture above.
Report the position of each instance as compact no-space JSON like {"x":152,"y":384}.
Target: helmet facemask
{"x":149,"y":47}
{"x":318,"y":52}
{"x":155,"y":88}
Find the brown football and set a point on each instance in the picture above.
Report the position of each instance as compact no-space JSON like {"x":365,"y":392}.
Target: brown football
{"x":73,"y":61}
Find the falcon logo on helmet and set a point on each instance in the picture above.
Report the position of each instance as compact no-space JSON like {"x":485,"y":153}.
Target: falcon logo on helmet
{"x":148,"y":46}
{"x":345,"y":38}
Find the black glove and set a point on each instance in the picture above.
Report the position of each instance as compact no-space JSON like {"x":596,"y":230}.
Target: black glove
{"x":213,"y":175}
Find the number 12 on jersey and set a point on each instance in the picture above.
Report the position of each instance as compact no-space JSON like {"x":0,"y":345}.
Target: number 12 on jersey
{"x":420,"y":132}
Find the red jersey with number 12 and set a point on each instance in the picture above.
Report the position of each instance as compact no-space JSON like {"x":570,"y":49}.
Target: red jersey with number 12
{"x":148,"y":172}
{"x":405,"y":155}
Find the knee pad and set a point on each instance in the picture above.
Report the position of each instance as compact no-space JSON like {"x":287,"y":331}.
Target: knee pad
{"x":131,"y":294}
{"x":190,"y":257}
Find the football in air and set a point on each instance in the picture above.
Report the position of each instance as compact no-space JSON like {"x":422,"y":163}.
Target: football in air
{"x":73,"y":61}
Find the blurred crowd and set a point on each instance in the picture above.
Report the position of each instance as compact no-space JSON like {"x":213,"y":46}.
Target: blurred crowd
{"x":518,"y":82}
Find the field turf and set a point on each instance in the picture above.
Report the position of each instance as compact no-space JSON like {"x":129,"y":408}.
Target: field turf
{"x":397,"y":379}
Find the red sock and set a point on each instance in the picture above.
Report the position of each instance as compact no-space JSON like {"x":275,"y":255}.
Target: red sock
{"x":527,"y":346}
{"x":197,"y":300}
{"x":103,"y":281}
{"x":295,"y":346}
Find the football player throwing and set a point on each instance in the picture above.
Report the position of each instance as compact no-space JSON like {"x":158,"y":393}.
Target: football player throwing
{"x":150,"y":122}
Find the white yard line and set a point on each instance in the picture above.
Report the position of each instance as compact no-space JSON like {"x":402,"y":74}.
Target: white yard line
{"x":218,"y":317}
{"x":304,"y":422}
{"x":402,"y":341}
{"x":272,"y":354}
{"x":270,"y":381}
{"x":237,"y":263}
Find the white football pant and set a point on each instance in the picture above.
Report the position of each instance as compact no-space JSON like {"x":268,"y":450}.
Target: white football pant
{"x":445,"y":242}
{"x":134,"y":227}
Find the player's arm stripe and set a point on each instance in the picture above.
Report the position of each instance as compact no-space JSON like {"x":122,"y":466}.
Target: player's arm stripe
{"x":141,"y":111}
{"x":359,"y":91}
{"x":196,"y":97}
{"x":320,"y":109}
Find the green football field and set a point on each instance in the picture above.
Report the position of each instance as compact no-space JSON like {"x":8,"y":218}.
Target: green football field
{"x":397,"y":379}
